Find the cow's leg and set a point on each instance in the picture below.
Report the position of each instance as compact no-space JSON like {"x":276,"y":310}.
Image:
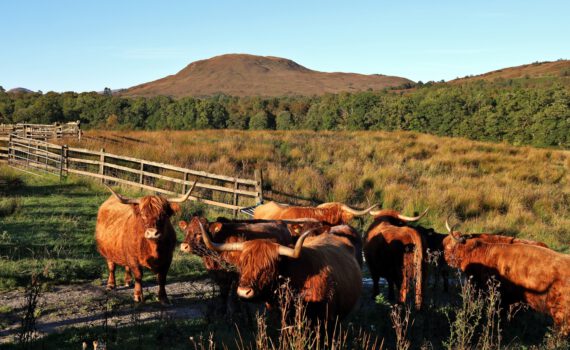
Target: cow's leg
{"x":138,"y":294}
{"x":404,"y":284}
{"x":161,"y":278}
{"x":445,"y":277}
{"x":128,"y":278}
{"x":111,"y":280}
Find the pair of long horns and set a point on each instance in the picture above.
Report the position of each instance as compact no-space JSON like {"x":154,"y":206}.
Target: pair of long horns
{"x":239,"y":246}
{"x":358,"y":212}
{"x":403,"y":217}
{"x":126,"y":200}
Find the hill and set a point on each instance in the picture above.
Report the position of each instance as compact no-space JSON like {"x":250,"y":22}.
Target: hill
{"x":249,"y":75}
{"x":534,"y":70}
{"x":19,"y":90}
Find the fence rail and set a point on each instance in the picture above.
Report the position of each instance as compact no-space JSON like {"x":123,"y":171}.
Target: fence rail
{"x":223,"y":191}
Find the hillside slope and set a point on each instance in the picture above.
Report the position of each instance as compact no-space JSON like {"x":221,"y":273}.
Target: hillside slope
{"x":249,"y":75}
{"x":533,"y":70}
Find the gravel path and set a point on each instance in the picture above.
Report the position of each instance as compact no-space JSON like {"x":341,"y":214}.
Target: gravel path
{"x":89,"y":305}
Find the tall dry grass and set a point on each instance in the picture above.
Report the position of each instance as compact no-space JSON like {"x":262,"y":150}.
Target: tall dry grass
{"x":521,"y":191}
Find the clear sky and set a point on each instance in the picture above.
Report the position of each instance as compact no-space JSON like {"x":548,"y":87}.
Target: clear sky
{"x":63,"y":45}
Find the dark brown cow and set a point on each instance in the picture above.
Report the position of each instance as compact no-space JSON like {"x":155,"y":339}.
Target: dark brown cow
{"x":330,"y":213}
{"x":395,"y":252}
{"x":527,"y":273}
{"x":322,"y":269}
{"x":137,"y":233}
{"x":351,"y":235}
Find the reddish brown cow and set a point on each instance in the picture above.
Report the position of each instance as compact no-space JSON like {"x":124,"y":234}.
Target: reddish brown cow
{"x":527,"y":273}
{"x":396,"y":253}
{"x":137,"y":233}
{"x":322,"y":269}
{"x":330,"y":213}
{"x":434,"y":242}
{"x":220,"y":266}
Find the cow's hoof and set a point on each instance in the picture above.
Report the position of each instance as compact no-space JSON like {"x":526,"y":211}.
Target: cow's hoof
{"x":127,"y":285}
{"x":110,"y":287}
{"x":165,"y":302}
{"x":138,"y":299}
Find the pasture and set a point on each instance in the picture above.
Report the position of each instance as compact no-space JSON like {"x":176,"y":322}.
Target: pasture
{"x":47,"y":225}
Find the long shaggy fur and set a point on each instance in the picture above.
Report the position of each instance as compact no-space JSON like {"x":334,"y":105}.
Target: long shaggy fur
{"x":528,"y":273}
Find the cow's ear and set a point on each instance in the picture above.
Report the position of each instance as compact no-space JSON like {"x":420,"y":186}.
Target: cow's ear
{"x":182,"y":224}
{"x":295,"y":229}
{"x":174,"y":207}
{"x":216,"y":227}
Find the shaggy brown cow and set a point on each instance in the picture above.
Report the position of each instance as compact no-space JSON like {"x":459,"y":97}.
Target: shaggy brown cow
{"x":220,"y":266}
{"x":396,"y":253}
{"x":535,"y":275}
{"x":137,"y":233}
{"x":330,"y":213}
{"x":322,"y":269}
{"x":434,"y":242}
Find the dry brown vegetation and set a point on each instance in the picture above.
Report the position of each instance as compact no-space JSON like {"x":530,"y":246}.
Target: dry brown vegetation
{"x":249,"y":75}
{"x":533,"y":70}
{"x":518,"y":191}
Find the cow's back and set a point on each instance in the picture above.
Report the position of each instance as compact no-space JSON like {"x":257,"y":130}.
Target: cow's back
{"x":115,"y":227}
{"x":330,"y":274}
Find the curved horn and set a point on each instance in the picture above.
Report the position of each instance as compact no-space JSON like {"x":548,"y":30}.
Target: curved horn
{"x":357,"y":212}
{"x":412,"y":218}
{"x":295,"y":253}
{"x":219,"y":247}
{"x":122,"y":199}
{"x":450,"y":230}
{"x":185,"y":197}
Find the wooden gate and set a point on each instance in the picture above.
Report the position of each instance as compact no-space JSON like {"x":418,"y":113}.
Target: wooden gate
{"x":33,"y":154}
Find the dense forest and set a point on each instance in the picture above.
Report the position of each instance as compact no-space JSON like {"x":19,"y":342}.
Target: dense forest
{"x":532,"y":111}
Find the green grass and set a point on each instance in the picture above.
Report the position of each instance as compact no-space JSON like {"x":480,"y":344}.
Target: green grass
{"x":48,"y":223}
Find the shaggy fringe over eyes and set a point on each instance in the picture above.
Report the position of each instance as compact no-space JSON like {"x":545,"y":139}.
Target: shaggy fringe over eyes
{"x":152,"y":207}
{"x":258,"y":263}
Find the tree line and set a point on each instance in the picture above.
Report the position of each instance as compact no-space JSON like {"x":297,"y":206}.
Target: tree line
{"x":520,"y":111}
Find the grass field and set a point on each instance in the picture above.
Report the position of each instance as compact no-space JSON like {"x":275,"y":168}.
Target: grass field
{"x":48,"y":222}
{"x":519,"y":191}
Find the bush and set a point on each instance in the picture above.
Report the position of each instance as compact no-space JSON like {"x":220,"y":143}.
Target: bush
{"x":284,"y":121}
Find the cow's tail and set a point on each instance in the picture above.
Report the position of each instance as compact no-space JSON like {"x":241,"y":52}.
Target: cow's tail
{"x":419,"y":270}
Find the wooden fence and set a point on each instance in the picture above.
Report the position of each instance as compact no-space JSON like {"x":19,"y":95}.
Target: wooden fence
{"x":42,"y":131}
{"x":212,"y":189}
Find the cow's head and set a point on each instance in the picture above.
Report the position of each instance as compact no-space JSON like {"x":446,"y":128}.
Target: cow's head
{"x":193,"y":242}
{"x":394,"y":217}
{"x":154,"y":211}
{"x":346,"y":213}
{"x":453,"y":245}
{"x":258,"y":262}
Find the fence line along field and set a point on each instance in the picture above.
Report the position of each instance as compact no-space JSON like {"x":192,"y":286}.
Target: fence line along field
{"x":47,"y":228}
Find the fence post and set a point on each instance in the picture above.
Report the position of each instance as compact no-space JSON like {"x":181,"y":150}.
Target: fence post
{"x":185,"y":185}
{"x":9,"y":147}
{"x":102,"y":165}
{"x":258,"y":186}
{"x":66,"y":159}
{"x":235,"y":202}
{"x":141,"y":175}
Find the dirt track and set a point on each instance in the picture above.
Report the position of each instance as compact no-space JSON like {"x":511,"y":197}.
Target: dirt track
{"x":89,"y":305}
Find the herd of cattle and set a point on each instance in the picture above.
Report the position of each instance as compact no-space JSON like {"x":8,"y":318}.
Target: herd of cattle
{"x":321,"y":256}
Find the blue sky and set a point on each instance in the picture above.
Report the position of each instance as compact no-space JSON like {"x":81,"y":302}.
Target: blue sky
{"x":78,"y":45}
